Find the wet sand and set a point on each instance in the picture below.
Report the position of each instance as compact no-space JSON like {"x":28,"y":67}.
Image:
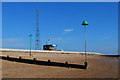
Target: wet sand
{"x":98,"y":66}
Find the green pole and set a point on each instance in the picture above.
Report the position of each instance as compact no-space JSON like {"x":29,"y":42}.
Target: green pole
{"x":30,"y":44}
{"x":85,"y":43}
{"x":85,"y":23}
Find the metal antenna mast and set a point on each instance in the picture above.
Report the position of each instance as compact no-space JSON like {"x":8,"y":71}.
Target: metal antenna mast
{"x":37,"y":44}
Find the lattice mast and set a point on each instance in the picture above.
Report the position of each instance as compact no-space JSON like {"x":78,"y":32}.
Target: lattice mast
{"x":37,"y":43}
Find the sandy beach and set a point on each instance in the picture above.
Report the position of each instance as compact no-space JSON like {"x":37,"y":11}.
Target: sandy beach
{"x":98,"y":66}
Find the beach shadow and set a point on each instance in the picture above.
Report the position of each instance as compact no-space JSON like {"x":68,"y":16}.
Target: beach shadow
{"x":47,"y":63}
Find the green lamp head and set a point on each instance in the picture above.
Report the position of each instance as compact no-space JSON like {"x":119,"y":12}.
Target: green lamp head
{"x":85,"y":23}
{"x":30,"y":35}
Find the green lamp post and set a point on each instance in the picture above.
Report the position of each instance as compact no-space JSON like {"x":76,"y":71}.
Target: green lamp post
{"x":30,"y":43}
{"x":84,"y":24}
